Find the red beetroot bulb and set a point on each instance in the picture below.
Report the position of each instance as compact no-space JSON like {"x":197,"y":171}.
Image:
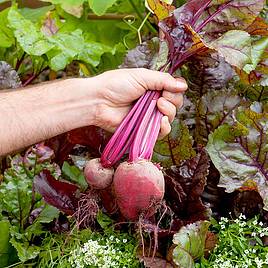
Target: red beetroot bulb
{"x":97,"y":176}
{"x":138,"y":187}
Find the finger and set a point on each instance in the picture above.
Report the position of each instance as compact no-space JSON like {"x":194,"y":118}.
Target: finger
{"x":111,"y":119}
{"x":166,"y":108}
{"x":154,"y":80}
{"x":174,"y":98}
{"x":165,"y":127}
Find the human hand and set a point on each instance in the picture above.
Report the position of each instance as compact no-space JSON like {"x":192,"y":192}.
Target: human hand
{"x":119,"y":88}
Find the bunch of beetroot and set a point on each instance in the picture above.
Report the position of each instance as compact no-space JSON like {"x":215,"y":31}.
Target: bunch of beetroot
{"x":138,"y":184}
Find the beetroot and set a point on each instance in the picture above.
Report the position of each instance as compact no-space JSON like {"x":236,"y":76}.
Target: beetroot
{"x":138,"y":187}
{"x":138,"y":184}
{"x":97,"y":176}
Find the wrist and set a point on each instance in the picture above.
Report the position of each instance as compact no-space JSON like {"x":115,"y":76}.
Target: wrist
{"x":88,"y":99}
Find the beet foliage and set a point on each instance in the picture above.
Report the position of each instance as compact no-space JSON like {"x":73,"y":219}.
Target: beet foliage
{"x":215,"y":154}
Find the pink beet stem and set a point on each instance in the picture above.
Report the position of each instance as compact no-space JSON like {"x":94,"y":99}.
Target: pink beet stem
{"x":110,"y":146}
{"x":128,"y":135}
{"x":125,"y":133}
{"x":150,"y":128}
{"x":135,"y":148}
{"x":154,"y":135}
{"x":137,"y":133}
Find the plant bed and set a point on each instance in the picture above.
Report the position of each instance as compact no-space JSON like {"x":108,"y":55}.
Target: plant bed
{"x":66,"y":202}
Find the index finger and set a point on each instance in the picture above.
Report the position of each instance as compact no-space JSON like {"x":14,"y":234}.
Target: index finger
{"x":156,"y":80}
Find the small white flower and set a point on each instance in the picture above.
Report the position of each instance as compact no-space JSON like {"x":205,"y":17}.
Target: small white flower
{"x":223,"y":219}
{"x":124,"y":240}
{"x":242,"y":217}
{"x":261,"y":223}
{"x":242,"y":224}
{"x":246,"y":251}
{"x":253,"y":234}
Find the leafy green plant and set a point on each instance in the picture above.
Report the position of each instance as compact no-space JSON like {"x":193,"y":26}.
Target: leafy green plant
{"x":240,"y":244}
{"x":190,"y":243}
{"x":19,"y":201}
{"x":86,"y":248}
{"x":52,"y":37}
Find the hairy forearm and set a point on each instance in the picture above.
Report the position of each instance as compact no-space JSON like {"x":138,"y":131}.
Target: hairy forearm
{"x":30,"y":115}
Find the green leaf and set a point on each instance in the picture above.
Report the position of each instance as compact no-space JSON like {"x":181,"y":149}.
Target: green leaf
{"x":235,"y":47}
{"x":239,"y":150}
{"x":231,"y":15}
{"x":48,"y":214}
{"x":68,"y":2}
{"x":31,"y":39}
{"x":99,"y":7}
{"x":93,"y":52}
{"x":6,"y":34}
{"x":35,"y":14}
{"x":4,"y":243}
{"x":190,"y":241}
{"x":67,"y":47}
{"x":74,"y":174}
{"x":253,"y":92}
{"x":174,"y":148}
{"x":74,"y":7}
{"x":25,"y":252}
{"x":16,"y":191}
{"x":257,"y":52}
{"x":103,"y":220}
{"x":16,"y":188}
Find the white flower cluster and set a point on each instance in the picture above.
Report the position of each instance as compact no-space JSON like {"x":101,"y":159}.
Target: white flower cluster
{"x":102,"y":253}
{"x":253,"y":256}
{"x":257,"y":226}
{"x":232,"y":261}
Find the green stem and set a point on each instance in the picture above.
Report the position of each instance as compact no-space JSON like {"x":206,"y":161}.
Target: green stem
{"x":148,"y":24}
{"x":142,"y":24}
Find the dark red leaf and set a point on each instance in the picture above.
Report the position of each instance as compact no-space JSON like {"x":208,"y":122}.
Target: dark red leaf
{"x":247,"y":202}
{"x":88,"y":136}
{"x":59,"y":194}
{"x":190,"y":28}
{"x":184,"y":186}
{"x":108,"y":200}
{"x":210,"y":244}
{"x":208,"y":73}
{"x":155,"y":262}
{"x":92,"y":137}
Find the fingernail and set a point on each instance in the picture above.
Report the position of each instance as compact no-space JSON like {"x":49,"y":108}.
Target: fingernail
{"x":166,"y":120}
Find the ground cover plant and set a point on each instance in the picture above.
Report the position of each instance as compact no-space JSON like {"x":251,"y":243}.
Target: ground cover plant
{"x":65,"y":201}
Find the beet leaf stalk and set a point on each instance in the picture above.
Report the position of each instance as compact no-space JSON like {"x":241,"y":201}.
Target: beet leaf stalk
{"x":137,"y":133}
